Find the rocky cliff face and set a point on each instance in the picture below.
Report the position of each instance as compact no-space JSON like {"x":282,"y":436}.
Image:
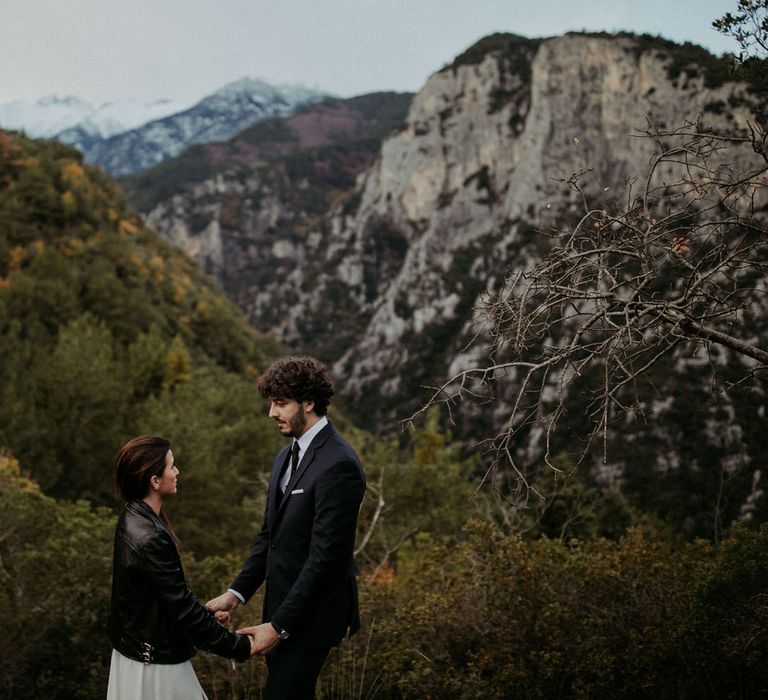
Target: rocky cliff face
{"x":253,"y":210}
{"x":383,"y":283}
{"x":373,"y":254}
{"x":479,"y":166}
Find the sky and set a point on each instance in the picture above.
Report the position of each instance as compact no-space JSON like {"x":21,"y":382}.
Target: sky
{"x":109,"y":50}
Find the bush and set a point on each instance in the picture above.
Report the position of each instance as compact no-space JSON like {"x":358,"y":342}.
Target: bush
{"x":492,"y":616}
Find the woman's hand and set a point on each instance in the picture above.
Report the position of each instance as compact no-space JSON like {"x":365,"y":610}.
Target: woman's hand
{"x":254,"y":645}
{"x":222,"y":606}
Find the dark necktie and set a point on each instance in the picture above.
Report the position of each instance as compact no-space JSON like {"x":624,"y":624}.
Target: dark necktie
{"x":294,"y":458}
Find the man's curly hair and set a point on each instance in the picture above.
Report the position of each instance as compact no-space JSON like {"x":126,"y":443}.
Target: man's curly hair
{"x":300,"y":379}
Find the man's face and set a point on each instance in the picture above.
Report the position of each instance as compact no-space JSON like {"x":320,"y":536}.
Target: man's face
{"x":290,"y":415}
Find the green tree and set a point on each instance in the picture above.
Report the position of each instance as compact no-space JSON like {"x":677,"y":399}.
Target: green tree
{"x":55,"y":563}
{"x":421,"y":486}
{"x":80,"y":396}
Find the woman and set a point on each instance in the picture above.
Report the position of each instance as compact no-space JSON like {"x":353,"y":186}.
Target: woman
{"x":155,"y":621}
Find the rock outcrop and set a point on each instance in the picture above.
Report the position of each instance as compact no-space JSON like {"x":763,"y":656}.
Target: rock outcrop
{"x":383,"y":282}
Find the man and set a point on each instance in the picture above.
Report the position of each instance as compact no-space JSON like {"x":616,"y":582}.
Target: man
{"x":304,"y":549}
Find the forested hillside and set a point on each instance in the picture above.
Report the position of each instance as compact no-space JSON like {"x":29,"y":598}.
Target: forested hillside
{"x":101,"y":325}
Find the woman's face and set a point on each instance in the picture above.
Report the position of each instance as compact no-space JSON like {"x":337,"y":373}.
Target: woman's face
{"x":166,"y":482}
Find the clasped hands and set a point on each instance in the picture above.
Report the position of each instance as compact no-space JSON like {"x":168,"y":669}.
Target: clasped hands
{"x":264,"y":638}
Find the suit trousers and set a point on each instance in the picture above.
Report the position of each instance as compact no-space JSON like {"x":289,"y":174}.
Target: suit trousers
{"x":293,"y":672}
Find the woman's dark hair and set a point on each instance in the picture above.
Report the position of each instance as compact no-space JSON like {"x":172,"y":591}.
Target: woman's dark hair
{"x":300,"y":379}
{"x":137,"y":462}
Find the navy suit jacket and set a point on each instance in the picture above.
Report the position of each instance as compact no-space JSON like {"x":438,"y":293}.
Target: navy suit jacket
{"x":304,"y":549}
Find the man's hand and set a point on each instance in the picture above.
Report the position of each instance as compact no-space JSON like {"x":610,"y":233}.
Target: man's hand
{"x":222,"y":606}
{"x":264,"y":638}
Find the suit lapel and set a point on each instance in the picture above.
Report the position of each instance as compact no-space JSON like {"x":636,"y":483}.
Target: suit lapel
{"x":274,"y":481}
{"x":306,"y":460}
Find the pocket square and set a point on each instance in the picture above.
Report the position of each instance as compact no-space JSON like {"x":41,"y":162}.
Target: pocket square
{"x":297,"y":491}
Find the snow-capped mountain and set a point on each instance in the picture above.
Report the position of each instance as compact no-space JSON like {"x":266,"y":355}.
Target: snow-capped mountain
{"x":127,"y":136}
{"x":46,"y":117}
{"x":115,"y":118}
{"x":67,"y":118}
{"x":215,"y":118}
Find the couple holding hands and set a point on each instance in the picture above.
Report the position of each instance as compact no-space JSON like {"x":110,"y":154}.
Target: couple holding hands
{"x":303,"y":554}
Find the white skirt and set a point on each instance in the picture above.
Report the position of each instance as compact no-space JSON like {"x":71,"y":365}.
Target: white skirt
{"x":134,"y":680}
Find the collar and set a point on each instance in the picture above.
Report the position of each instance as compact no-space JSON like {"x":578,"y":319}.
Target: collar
{"x":306,"y":439}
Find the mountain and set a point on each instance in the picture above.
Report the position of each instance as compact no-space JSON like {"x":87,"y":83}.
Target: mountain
{"x":45,"y":117}
{"x":115,"y":118}
{"x":219,"y":116}
{"x":298,"y":168}
{"x":392,"y":272}
{"x":382,"y":279}
{"x":128,"y":136}
{"x":78,"y":123}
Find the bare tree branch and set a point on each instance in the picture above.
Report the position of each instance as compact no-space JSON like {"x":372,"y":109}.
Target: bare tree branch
{"x":677,"y":268}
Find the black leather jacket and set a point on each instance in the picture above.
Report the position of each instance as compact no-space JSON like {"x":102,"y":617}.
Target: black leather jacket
{"x":154,"y":617}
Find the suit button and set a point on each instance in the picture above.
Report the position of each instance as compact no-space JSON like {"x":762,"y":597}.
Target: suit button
{"x":272,"y":546}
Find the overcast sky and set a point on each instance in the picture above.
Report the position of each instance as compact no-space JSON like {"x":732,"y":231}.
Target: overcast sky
{"x":103,"y":50}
